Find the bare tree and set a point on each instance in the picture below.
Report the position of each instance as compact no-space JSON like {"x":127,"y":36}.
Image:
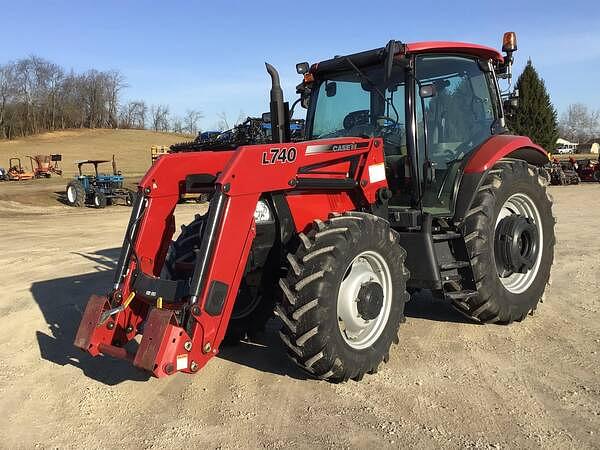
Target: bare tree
{"x":133,"y":115}
{"x":222,"y":124}
{"x":37,"y":95}
{"x":177,"y":125}
{"x":241,"y":117}
{"x":191,"y":121}
{"x":7,"y":95}
{"x":579,"y":123}
{"x":115,"y":82}
{"x":159,"y":116}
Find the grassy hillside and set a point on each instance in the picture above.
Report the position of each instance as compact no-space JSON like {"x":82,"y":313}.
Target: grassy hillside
{"x":130,"y":147}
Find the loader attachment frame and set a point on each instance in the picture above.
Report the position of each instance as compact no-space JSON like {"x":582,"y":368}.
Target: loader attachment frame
{"x":182,"y":323}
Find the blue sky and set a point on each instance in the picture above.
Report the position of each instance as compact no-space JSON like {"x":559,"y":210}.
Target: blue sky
{"x":209,"y":55}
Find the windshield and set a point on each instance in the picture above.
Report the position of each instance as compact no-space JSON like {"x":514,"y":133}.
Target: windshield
{"x":358,"y":103}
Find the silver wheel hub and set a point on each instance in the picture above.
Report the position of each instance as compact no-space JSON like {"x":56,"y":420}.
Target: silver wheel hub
{"x":364,"y":300}
{"x":523,"y":206}
{"x":71,"y":194}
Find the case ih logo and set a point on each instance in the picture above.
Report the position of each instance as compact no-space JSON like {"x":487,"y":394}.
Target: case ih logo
{"x":343,"y":147}
{"x":325,"y":148}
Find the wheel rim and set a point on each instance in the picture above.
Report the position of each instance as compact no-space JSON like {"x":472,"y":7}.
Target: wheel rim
{"x":71,"y":194}
{"x":369,"y":268}
{"x":96,"y":200}
{"x":522,"y":205}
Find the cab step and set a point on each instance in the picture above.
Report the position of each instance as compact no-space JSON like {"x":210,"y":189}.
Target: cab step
{"x":447,"y":236}
{"x":454,"y":265}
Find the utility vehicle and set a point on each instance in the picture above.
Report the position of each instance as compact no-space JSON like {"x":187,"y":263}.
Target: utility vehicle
{"x":97,"y":189}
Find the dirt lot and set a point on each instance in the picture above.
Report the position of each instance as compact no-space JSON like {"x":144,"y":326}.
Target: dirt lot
{"x":449,"y":383}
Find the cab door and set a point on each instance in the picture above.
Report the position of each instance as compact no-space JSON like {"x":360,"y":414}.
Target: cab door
{"x":456,"y":109}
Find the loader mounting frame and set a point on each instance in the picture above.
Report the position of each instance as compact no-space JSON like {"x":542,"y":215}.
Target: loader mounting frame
{"x":182,"y":324}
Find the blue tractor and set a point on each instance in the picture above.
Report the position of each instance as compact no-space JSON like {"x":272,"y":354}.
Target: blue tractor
{"x":97,"y":189}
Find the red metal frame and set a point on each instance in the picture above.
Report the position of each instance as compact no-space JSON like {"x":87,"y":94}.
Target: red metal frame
{"x":166,"y":347}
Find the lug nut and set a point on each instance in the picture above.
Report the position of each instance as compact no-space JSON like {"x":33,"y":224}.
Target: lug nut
{"x":194,"y":366}
{"x":188,"y":345}
{"x":129,"y":329}
{"x":110,"y":325}
{"x":206,"y":347}
{"x":195,"y":310}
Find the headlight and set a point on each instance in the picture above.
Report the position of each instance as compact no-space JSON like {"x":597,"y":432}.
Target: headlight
{"x":262,"y":213}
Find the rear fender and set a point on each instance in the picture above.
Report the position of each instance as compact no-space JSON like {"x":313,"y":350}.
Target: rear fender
{"x":484,"y":158}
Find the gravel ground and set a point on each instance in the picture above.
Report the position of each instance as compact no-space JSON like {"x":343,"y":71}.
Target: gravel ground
{"x":449,"y":383}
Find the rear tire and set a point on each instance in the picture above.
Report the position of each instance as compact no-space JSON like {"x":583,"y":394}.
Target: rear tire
{"x":512,"y":295}
{"x":75,"y":194}
{"x":99,"y":200}
{"x":330,"y":327}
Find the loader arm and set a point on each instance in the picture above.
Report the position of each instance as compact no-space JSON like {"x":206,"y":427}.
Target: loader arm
{"x":183,"y":323}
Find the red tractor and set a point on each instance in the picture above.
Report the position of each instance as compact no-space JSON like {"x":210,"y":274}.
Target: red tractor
{"x":407,"y":179}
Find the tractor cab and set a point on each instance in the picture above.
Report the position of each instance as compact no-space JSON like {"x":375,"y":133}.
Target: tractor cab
{"x":432,"y":104}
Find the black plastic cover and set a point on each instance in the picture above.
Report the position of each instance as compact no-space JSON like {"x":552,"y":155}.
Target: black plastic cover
{"x":216,"y":298}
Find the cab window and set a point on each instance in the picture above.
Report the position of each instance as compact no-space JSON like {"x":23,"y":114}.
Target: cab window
{"x":455,"y":113}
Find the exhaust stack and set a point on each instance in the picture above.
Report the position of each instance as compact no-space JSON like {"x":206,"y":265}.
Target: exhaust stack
{"x":280,"y":121}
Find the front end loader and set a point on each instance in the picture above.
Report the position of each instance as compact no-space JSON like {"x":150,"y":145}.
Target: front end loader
{"x":408,"y":179}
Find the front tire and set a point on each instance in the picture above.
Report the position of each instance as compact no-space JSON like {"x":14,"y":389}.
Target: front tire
{"x":344,"y":297}
{"x":509,"y":234}
{"x":256,"y":295}
{"x":100,"y":201}
{"x":129,"y":198}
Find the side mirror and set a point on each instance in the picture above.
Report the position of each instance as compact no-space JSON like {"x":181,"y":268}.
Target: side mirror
{"x":427,"y":91}
{"x":266,"y":117}
{"x":389,"y":52}
{"x":331,"y":89}
{"x":302,"y":68}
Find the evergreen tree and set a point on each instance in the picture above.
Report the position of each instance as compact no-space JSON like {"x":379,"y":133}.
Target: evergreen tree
{"x":535,"y":116}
